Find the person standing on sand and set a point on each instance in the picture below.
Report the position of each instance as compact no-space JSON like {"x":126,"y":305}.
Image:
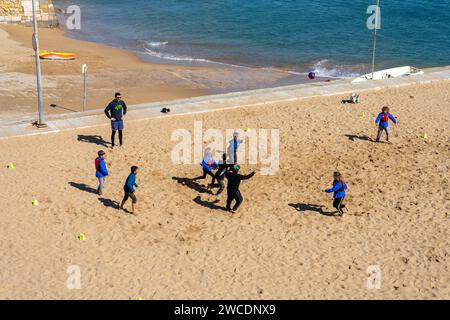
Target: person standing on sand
{"x":233,"y":147}
{"x":129,"y":189}
{"x":383,"y":123}
{"x":338,"y":189}
{"x":233,"y":192}
{"x":115,"y":111}
{"x":100,"y":171}
{"x":220,"y":174}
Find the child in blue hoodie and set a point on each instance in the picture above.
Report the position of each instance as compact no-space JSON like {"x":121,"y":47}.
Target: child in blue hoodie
{"x":100,"y":171}
{"x":338,"y":189}
{"x":129,"y":188}
{"x":383,"y":123}
{"x":208,"y":164}
{"x":233,"y":147}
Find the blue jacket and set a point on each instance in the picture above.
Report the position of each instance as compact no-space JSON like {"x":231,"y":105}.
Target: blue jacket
{"x":100,"y":168}
{"x":207,"y":160}
{"x":338,"y":191}
{"x":386,"y":123}
{"x":234,"y":145}
{"x":130,"y":183}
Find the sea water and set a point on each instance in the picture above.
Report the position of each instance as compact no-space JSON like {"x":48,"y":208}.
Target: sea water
{"x":328,"y":36}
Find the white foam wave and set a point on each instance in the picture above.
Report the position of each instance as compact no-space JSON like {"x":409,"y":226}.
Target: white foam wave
{"x":323,"y":68}
{"x":157,"y":43}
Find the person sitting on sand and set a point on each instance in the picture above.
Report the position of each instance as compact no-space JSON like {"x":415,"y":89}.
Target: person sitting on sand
{"x":233,"y":192}
{"x":354,"y":98}
{"x":338,"y":189}
{"x":383,"y":123}
{"x":101,"y":171}
{"x":220,"y":173}
{"x":208,"y":164}
{"x":233,"y":147}
{"x":115,"y":111}
{"x":129,"y":188}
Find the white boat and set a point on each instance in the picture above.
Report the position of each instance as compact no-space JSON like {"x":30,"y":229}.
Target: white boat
{"x":390,"y":73}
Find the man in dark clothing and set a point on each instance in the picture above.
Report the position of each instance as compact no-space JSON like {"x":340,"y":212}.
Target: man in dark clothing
{"x":234,"y":181}
{"x":115,"y":111}
{"x":222,"y":169}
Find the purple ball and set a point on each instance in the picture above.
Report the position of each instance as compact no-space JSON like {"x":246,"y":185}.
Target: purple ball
{"x":312,"y":75}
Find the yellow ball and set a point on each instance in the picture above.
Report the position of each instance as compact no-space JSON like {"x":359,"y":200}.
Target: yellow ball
{"x":10,"y":166}
{"x":248,"y":130}
{"x":82,"y":237}
{"x":35,"y":203}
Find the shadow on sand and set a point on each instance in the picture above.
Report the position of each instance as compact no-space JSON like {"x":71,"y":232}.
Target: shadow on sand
{"x":209,"y":205}
{"x":83,"y":187}
{"x":98,"y":140}
{"x":353,"y":137}
{"x":61,"y":107}
{"x":190,"y":183}
{"x":311,"y":207}
{"x":109,"y":203}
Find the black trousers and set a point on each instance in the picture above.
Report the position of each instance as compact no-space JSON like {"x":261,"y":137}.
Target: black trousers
{"x":113,"y":135}
{"x":237,"y":196}
{"x":380,"y":131}
{"x":337,"y":203}
{"x":205,"y":174}
{"x":129,"y":195}
{"x":221,"y":186}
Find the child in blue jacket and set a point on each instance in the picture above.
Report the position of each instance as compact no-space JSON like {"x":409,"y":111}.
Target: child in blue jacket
{"x":208,"y":164}
{"x":233,"y":147}
{"x":338,"y":189}
{"x":100,"y":171}
{"x":129,"y":188}
{"x":383,"y":123}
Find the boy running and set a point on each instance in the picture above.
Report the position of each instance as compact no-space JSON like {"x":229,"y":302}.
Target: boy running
{"x":115,"y":111}
{"x":208,"y":164}
{"x":100,"y":171}
{"x":129,"y":188}
{"x":383,"y":121}
{"x":233,"y":192}
{"x":338,"y":189}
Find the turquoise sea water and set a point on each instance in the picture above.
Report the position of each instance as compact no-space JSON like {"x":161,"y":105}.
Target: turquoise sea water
{"x":329,"y":36}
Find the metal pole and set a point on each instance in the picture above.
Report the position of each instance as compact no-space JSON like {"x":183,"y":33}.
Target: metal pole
{"x":84,"y":87}
{"x":375,"y":37}
{"x":38,"y":68}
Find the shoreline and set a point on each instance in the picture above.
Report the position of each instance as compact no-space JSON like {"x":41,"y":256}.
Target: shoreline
{"x":109,"y":70}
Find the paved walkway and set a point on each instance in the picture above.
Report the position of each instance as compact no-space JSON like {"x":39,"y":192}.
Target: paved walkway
{"x":94,"y":118}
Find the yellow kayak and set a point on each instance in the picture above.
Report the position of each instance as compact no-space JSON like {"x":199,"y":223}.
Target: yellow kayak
{"x":54,"y":55}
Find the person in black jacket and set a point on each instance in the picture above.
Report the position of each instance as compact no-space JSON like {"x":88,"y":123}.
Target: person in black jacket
{"x":222,"y":169}
{"x":115,"y":111}
{"x":234,"y":181}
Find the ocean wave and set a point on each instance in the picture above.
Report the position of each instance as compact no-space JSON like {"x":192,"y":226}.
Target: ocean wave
{"x":156,"y":43}
{"x":324,"y":68}
{"x":182,"y":58}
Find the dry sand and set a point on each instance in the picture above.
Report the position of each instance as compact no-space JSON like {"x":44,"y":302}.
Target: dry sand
{"x":177,"y":247}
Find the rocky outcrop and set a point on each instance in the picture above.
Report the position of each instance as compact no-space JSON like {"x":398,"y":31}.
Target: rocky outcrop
{"x":21,"y":12}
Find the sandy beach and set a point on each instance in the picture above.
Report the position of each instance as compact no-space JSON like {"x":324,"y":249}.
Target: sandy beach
{"x":283,"y":243}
